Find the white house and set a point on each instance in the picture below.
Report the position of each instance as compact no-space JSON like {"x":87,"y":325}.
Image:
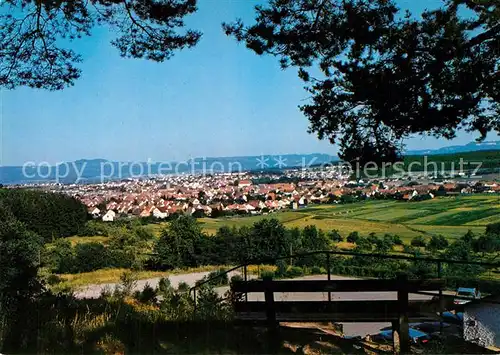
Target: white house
{"x":109,"y":216}
{"x":244,"y":183}
{"x":159,"y":214}
{"x":482,"y":322}
{"x":94,"y":212}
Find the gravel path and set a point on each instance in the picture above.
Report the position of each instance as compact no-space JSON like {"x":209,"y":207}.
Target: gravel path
{"x":94,"y":291}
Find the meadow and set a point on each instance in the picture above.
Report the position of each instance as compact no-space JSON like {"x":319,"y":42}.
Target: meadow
{"x":450,"y":216}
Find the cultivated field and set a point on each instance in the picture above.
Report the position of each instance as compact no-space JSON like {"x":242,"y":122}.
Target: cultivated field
{"x":449,"y":216}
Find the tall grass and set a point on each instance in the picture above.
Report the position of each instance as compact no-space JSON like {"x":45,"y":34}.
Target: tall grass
{"x":74,"y":281}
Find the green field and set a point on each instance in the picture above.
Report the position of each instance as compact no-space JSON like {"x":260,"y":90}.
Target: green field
{"x":449,"y":216}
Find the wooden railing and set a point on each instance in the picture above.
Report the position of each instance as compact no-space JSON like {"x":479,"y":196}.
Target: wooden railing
{"x":395,"y":311}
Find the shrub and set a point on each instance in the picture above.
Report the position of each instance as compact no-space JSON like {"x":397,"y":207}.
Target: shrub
{"x":393,"y":239}
{"x":372,"y":238}
{"x":90,"y":256}
{"x":219,"y":277}
{"x":183,"y":287}
{"x":493,"y":229}
{"x":295,"y":271}
{"x":488,"y":243}
{"x":316,"y":270}
{"x":164,"y":287}
{"x":267,"y":274}
{"x":236,"y":277}
{"x":62,"y":257}
{"x":147,"y":295}
{"x":437,"y":243}
{"x":383,"y":246}
{"x":128,"y":281}
{"x":353,"y":237}
{"x":281,"y":268}
{"x":418,"y":241}
{"x":335,"y":236}
{"x":362,"y":244}
{"x":408,"y":249}
{"x":53,"y":279}
{"x":397,"y":239}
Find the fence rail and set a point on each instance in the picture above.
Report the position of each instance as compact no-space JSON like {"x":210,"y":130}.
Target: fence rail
{"x":438,"y":262}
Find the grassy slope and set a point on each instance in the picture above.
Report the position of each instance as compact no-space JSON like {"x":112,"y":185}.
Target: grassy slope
{"x":450,"y":216}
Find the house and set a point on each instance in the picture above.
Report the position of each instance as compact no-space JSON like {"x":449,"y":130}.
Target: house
{"x":244,"y":183}
{"x":481,"y":322}
{"x":109,"y":216}
{"x":94,"y":212}
{"x":146,"y":212}
{"x":157,"y":213}
{"x":409,"y":196}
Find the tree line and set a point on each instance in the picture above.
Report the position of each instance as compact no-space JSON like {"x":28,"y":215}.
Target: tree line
{"x":183,"y":244}
{"x":50,"y":215}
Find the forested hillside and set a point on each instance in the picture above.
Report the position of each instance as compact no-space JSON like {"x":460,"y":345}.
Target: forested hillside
{"x":49,"y":215}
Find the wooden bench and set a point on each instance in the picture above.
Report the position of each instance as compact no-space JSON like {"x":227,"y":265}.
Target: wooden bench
{"x":395,"y":311}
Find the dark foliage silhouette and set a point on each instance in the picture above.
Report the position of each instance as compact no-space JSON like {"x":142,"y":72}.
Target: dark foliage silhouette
{"x":377,"y":75}
{"x":34,"y":35}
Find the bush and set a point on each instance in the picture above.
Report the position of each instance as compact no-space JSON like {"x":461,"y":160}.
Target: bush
{"x":316,"y":270}
{"x":219,"y":277}
{"x":295,"y":271}
{"x":383,"y":246}
{"x":267,"y":274}
{"x":437,"y":243}
{"x":236,"y":277}
{"x":90,"y":256}
{"x":488,"y":243}
{"x":62,"y":257}
{"x":147,"y":295}
{"x":128,"y":282}
{"x":408,"y":249}
{"x":53,"y":279}
{"x":353,"y":237}
{"x":493,"y":229}
{"x":397,"y":239}
{"x":362,"y":244}
{"x":282,"y":268}
{"x":335,"y":236}
{"x":183,"y":287}
{"x":418,"y":241}
{"x":372,"y":238}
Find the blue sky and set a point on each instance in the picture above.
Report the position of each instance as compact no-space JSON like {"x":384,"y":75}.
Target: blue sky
{"x":217,"y":99}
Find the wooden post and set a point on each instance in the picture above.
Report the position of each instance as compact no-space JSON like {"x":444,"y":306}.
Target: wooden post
{"x":245,"y":276}
{"x":441,"y":303}
{"x":269,"y":298}
{"x":194,"y":299}
{"x":272,"y":326}
{"x":329,"y":274}
{"x":403,"y":328}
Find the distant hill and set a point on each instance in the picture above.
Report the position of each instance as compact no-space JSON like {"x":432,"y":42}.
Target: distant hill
{"x":98,"y":170}
{"x":470,"y":147}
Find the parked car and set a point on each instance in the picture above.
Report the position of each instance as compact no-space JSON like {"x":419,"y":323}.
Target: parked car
{"x":453,"y":318}
{"x":416,"y":336}
{"x":469,"y":293}
{"x":429,"y":327}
